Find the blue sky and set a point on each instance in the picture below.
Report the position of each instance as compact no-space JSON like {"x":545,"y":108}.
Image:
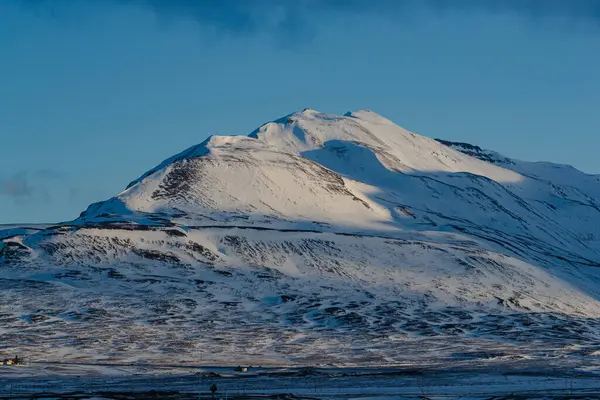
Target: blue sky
{"x":94,"y":93}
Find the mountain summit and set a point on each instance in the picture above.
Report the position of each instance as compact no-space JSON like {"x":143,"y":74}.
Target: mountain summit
{"x":316,"y":232}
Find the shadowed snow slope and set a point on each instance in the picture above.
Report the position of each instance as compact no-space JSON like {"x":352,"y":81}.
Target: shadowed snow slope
{"x":316,"y":232}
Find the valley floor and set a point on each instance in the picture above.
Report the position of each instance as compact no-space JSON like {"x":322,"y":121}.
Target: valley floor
{"x":88,"y":381}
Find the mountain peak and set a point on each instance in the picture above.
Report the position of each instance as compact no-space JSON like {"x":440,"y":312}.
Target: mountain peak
{"x":395,"y":147}
{"x":368,"y":115}
{"x":304,"y":166}
{"x":310,"y":130}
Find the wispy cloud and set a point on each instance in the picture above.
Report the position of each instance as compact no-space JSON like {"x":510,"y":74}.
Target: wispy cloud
{"x":48,"y":173}
{"x":245,"y":15}
{"x":293,"y":17}
{"x":16,"y":185}
{"x":28,"y":184}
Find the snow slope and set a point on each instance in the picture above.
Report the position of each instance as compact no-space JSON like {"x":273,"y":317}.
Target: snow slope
{"x":316,"y":239}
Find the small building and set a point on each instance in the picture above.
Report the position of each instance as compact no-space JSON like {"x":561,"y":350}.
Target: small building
{"x":10,"y":361}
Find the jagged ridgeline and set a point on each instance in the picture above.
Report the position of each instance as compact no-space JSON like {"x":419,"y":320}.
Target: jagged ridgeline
{"x":315,"y":239}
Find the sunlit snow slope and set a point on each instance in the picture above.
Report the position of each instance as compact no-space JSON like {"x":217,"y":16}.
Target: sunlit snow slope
{"x":314,"y":234}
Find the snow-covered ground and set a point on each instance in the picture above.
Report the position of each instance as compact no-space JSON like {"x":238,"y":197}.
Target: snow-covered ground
{"x":317,"y":240}
{"x":298,"y":384}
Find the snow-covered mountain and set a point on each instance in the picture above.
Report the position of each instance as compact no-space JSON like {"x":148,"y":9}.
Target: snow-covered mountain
{"x":315,"y":239}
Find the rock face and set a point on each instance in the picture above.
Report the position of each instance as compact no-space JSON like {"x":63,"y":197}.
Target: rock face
{"x":316,"y":239}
